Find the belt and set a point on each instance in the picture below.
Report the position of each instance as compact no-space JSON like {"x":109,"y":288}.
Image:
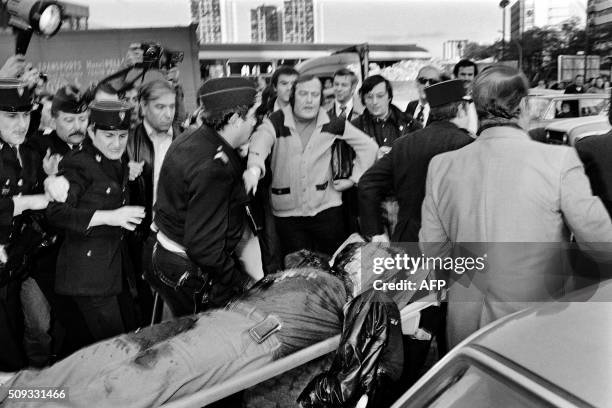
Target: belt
{"x":169,"y":244}
{"x":267,"y":325}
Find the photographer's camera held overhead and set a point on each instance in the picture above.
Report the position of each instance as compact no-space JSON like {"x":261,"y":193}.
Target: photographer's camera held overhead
{"x":155,"y":56}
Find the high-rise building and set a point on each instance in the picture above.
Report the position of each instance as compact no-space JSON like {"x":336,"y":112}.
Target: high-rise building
{"x":453,"y":50}
{"x":600,"y":14}
{"x":528,"y":14}
{"x":298,"y":21}
{"x":216,"y":20}
{"x":266,"y":24}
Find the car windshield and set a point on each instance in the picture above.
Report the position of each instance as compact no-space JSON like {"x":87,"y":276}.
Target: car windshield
{"x":467,"y":385}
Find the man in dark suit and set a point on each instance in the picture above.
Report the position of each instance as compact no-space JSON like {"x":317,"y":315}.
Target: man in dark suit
{"x":419,"y":108}
{"x":345,"y":82}
{"x":201,"y":203}
{"x":92,"y":259}
{"x":403,"y":171}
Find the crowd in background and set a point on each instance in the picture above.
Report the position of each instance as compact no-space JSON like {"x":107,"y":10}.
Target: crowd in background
{"x":146,"y":202}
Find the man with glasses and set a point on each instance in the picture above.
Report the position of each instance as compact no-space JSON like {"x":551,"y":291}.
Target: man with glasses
{"x":419,"y":109}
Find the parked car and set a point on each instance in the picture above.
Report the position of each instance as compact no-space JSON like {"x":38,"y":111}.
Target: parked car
{"x":555,"y":355}
{"x":551,"y":107}
{"x":569,"y":131}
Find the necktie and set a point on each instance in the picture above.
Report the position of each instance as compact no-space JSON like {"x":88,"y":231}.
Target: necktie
{"x":342,"y":113}
{"x":420,"y":115}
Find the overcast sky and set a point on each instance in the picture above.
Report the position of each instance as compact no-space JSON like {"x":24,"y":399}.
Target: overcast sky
{"x":427,"y":23}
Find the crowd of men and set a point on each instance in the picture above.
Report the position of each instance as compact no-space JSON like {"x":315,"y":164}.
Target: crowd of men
{"x":140,"y":202}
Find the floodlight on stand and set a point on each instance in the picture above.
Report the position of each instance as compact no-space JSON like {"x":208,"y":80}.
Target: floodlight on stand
{"x":44,"y":17}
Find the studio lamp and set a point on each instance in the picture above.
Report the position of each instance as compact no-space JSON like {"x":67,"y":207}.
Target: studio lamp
{"x":43,"y":17}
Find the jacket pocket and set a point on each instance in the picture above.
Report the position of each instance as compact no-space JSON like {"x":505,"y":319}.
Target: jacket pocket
{"x":282,"y":199}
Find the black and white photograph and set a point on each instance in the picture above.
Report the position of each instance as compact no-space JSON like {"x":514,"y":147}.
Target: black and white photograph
{"x":305,"y":203}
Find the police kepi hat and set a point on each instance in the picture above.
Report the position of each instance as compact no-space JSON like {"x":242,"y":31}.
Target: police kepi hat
{"x":110,"y":115}
{"x":220,"y":94}
{"x":14,"y":96}
{"x":446,"y":92}
{"x":68,"y":99}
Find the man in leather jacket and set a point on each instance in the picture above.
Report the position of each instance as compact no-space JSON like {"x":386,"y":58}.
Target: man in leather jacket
{"x":147,"y":148}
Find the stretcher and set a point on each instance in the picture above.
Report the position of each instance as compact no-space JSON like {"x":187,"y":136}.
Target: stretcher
{"x":410,"y":316}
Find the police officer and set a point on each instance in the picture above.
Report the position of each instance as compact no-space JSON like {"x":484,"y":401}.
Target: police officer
{"x":19,"y":187}
{"x":200,"y":207}
{"x":70,"y":118}
{"x":95,"y":216}
{"x":69,"y":115}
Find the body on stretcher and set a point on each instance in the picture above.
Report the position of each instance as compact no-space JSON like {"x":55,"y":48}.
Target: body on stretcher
{"x":410,"y":315}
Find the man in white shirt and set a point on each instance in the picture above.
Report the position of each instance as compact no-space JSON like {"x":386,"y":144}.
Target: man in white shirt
{"x":147,"y":148}
{"x":345,"y":82}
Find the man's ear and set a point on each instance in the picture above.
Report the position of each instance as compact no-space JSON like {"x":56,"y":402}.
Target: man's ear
{"x":234,"y":119}
{"x":90,"y":131}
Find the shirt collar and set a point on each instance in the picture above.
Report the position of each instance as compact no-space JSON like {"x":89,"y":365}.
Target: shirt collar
{"x":151,"y":131}
{"x":349,"y":107}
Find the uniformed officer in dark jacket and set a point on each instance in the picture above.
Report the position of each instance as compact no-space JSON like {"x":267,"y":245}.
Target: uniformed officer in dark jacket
{"x":20,"y":188}
{"x":403,"y":171}
{"x":95,"y":217}
{"x":70,"y":117}
{"x":200,"y":207}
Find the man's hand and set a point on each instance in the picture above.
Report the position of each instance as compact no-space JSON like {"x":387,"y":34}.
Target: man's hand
{"x":380,"y":238}
{"x":127,"y":217}
{"x":173,"y":75}
{"x":56,"y":188}
{"x":51,"y":163}
{"x":29,"y":202}
{"x":13,"y":67}
{"x":134,"y":55}
{"x":31,"y":77}
{"x":343,"y":184}
{"x":135,"y":169}
{"x":251,"y":179}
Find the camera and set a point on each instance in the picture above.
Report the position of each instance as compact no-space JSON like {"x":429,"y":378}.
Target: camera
{"x":154,"y":55}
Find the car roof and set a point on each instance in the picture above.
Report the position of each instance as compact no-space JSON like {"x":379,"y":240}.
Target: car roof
{"x":559,"y":96}
{"x":567,"y":343}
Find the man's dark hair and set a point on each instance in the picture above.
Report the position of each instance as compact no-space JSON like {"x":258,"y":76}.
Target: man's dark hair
{"x":282,"y":70}
{"x":154,"y":89}
{"x":465,"y":63}
{"x":218,"y":120}
{"x":106,"y":88}
{"x":445,"y":112}
{"x":300,"y":80}
{"x":124,"y":91}
{"x":346,"y":72}
{"x":370,"y":82}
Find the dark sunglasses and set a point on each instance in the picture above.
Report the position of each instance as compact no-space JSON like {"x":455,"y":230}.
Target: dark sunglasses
{"x":424,"y":81}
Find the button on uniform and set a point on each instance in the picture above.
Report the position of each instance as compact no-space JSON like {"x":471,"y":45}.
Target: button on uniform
{"x":108,"y":190}
{"x":88,"y":253}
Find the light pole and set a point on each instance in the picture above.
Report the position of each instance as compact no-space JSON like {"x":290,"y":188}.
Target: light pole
{"x":503,"y":4}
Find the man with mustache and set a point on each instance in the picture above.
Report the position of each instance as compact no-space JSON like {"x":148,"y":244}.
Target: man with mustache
{"x":70,"y":117}
{"x":69,"y":120}
{"x":95,"y":217}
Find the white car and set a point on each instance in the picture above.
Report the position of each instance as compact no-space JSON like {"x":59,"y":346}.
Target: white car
{"x":569,"y":131}
{"x":555,"y":355}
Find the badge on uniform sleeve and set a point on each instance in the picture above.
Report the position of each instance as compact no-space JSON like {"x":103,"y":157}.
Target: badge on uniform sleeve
{"x":221,"y":155}
{"x":98,"y":158}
